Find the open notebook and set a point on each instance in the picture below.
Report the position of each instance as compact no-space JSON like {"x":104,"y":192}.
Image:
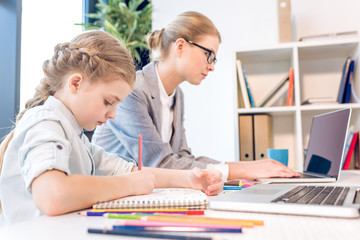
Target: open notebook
{"x":160,"y":198}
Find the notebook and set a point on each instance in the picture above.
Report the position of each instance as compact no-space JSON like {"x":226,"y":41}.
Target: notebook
{"x":160,"y":198}
{"x":328,"y":201}
{"x":325,"y":151}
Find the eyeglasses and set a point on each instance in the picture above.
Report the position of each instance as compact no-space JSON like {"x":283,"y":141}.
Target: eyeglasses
{"x":211,"y":58}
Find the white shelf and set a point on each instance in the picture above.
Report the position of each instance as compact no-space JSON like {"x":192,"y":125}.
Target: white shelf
{"x":318,"y":69}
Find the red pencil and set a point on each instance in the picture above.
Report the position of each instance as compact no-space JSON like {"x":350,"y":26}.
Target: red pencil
{"x":140,"y":152}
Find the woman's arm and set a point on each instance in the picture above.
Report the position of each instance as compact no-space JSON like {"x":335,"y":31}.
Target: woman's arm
{"x":56,"y":193}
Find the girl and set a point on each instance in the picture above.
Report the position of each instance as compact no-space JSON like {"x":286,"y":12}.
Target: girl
{"x":50,"y":166}
{"x":185,"y":50}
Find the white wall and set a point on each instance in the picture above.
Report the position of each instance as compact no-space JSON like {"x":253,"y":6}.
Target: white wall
{"x":44,"y":24}
{"x":209,"y":108}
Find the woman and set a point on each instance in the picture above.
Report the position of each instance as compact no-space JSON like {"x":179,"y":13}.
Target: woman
{"x":185,"y":50}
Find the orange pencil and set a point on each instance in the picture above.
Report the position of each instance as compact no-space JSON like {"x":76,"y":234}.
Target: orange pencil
{"x":210,"y":220}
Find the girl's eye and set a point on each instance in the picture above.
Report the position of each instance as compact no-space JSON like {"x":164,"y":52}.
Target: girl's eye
{"x":107,"y":102}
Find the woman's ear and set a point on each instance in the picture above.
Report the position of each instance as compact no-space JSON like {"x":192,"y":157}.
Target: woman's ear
{"x":75,"y":81}
{"x":179,"y":46}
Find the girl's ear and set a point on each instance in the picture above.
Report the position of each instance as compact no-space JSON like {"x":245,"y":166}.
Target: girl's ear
{"x":75,"y":81}
{"x":179,"y":46}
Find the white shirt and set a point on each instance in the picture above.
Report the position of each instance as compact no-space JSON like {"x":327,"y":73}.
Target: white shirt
{"x":48,"y":137}
{"x":167,"y":118}
{"x":167,"y":111}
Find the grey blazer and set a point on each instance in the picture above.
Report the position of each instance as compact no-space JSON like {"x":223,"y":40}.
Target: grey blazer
{"x":140,"y":113}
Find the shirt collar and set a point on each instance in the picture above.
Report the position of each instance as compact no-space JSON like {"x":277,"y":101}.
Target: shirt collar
{"x":55,"y":103}
{"x":165,"y":99}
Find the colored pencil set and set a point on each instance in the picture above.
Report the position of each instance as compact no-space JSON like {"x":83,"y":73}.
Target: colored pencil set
{"x":162,"y":225}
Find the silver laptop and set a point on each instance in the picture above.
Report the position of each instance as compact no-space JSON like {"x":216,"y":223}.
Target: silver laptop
{"x":328,"y":201}
{"x":325,"y":152}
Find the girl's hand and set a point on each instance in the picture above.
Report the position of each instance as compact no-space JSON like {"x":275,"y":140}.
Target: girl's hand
{"x":206,"y":180}
{"x":143,"y":182}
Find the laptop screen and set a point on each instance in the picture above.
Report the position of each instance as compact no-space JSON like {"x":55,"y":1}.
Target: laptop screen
{"x":327,"y":142}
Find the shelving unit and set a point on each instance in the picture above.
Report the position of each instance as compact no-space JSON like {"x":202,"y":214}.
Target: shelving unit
{"x":318,"y":69}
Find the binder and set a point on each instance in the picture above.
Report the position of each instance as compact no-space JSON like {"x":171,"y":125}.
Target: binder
{"x":262,"y":135}
{"x":246,"y":137}
{"x":284,"y":20}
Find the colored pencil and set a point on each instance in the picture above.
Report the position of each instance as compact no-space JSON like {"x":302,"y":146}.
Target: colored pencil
{"x":193,"y":219}
{"x":176,"y":229}
{"x":134,"y":222}
{"x":232,"y":188}
{"x":145,"y":234}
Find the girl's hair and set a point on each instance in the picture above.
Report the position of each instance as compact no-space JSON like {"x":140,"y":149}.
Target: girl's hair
{"x":189,"y":25}
{"x":96,"y":54}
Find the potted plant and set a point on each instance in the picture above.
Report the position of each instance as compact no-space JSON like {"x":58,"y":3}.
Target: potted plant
{"x":127,"y":20}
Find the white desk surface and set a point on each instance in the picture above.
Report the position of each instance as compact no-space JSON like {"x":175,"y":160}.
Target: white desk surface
{"x":74,"y":226}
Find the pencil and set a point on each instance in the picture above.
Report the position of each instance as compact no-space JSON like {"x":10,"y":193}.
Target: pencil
{"x":145,"y":234}
{"x":191,"y":219}
{"x":175,"y":229}
{"x":140,"y":152}
{"x":135,"y":222}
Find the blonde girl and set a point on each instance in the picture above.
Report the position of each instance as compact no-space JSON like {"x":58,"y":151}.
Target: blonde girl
{"x":49,"y":165}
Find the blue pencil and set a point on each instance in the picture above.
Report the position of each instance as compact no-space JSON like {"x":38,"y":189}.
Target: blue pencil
{"x":134,"y":233}
{"x":175,"y":229}
{"x":232,"y":188}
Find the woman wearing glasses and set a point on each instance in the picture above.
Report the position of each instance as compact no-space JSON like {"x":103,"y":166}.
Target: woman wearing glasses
{"x":185,"y":50}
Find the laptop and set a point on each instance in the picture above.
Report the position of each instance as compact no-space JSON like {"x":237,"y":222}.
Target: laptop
{"x":327,"y":201}
{"x":325,"y":152}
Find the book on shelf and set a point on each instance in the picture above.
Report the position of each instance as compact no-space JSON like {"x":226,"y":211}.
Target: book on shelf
{"x":347,"y":91}
{"x":320,"y":100}
{"x":290,"y":95}
{"x":275,"y":92}
{"x":242,"y":84}
{"x":251,"y":99}
{"x":328,"y":36}
{"x":344,"y":79}
{"x":160,"y":198}
{"x":350,"y":151}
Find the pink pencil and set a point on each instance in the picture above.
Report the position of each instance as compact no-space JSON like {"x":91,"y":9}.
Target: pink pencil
{"x":131,"y":222}
{"x":140,"y":152}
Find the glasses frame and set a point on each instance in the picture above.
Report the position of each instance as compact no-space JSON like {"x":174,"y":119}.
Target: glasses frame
{"x":206,"y":49}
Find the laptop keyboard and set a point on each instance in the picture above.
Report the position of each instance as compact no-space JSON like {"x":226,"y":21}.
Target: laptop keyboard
{"x":321,"y":195}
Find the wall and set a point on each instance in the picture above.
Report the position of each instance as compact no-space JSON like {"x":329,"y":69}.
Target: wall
{"x":209,"y":110}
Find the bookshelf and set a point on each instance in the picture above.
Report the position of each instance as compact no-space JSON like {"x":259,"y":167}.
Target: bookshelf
{"x":318,"y":69}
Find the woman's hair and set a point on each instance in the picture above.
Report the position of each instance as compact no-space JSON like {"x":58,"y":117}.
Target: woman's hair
{"x":189,"y":25}
{"x":96,"y":54}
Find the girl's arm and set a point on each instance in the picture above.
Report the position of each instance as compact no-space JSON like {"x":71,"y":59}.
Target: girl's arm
{"x":207,"y":180}
{"x":56,"y":193}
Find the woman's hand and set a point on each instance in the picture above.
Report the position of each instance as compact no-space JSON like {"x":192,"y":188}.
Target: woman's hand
{"x":206,"y":180}
{"x":265,"y":168}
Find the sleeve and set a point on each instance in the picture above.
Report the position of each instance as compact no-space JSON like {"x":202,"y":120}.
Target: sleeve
{"x":134,"y":117}
{"x":45,"y":147}
{"x":109,"y":163}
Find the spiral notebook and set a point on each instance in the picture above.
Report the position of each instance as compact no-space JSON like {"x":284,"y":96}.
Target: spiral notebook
{"x":160,"y":198}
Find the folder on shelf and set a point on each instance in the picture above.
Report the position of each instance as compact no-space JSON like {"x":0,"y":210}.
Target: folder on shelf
{"x":350,"y":152}
{"x":262,"y":135}
{"x":246,"y":138}
{"x":242,"y":84}
{"x":347,"y":91}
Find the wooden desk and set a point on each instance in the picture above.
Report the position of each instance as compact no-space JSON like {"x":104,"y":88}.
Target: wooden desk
{"x":73,"y":226}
